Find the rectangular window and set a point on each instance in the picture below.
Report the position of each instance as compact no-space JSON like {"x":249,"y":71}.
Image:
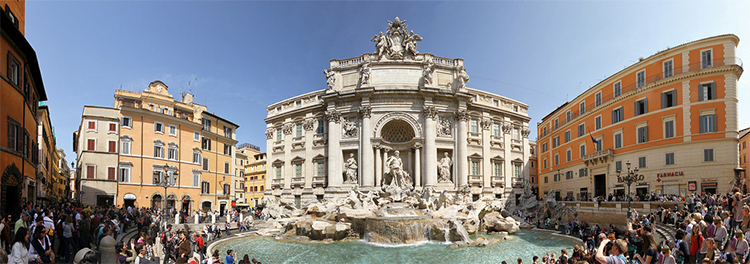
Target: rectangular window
{"x":581,"y":108}
{"x":206,"y":143}
{"x":641,"y":106}
{"x":14,"y":69}
{"x":279,"y":134}
{"x":112,"y":127}
{"x":669,"y":129}
{"x":321,"y":126}
{"x":497,"y":168}
{"x":641,"y":162}
{"x":111,"y":173}
{"x":172,"y":130}
{"x":567,"y":116}
{"x":227,"y":149}
{"x":496,"y":131}
{"x":544,"y":147}
{"x":668,"y":99}
{"x":474,"y":126}
{"x":172,"y":153}
{"x":568,"y":155}
{"x":708,"y":155}
{"x":545,"y":163}
{"x":618,"y":89}
{"x":640,"y":78}
{"x":568,"y":175}
{"x":158,"y":127}
{"x":206,"y":124}
{"x":706,"y":59}
{"x":299,"y":130}
{"x":707,"y":123}
{"x":91,"y":144}
{"x":598,"y":99}
{"x":298,"y":170}
{"x":228,"y":132}
{"x":556,"y":124}
{"x":544,"y":131}
{"x":618,"y":140}
{"x":278,"y":172}
{"x":125,"y":146}
{"x":555,"y":142}
{"x":196,"y":136}
{"x":92,"y":125}
{"x":617,"y":115}
{"x":583,"y":172}
{"x":158,"y":151}
{"x":582,"y":150}
{"x":557,"y":159}
{"x":546,"y":180}
{"x":642,"y":134}
{"x":581,"y":130}
{"x":196,"y":178}
{"x":618,"y":166}
{"x":517,"y":170}
{"x":668,"y":68}
{"x":321,"y":169}
{"x":670,"y":158}
{"x":205,"y":163}
{"x":599,"y":144}
{"x":205,"y":187}
{"x":124,"y":174}
{"x":495,"y":103}
{"x":598,"y":122}
{"x":567,"y":136}
{"x":474,"y":167}
{"x":196,"y":157}
{"x":112,"y":146}
{"x":90,"y":172}
{"x":707,"y":91}
{"x":226,"y":167}
{"x":127,"y":121}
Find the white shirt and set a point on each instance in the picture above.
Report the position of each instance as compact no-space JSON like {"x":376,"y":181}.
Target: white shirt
{"x":19,"y":254}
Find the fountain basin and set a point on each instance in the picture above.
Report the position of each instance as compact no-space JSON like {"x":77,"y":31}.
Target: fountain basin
{"x":405,"y":230}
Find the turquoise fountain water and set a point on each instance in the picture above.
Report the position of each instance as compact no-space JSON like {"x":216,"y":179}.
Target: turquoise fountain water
{"x":525,"y":244}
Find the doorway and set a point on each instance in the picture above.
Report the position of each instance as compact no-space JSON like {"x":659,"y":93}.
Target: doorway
{"x":221,"y":209}
{"x":600,"y":185}
{"x":104,"y":200}
{"x":206,"y":206}
{"x":185,"y":206}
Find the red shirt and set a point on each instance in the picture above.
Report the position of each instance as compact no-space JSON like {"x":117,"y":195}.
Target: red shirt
{"x":695,"y":243}
{"x":199,"y":240}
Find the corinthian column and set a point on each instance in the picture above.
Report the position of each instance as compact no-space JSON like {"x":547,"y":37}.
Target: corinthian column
{"x":463,"y":167}
{"x":417,"y":165}
{"x":430,"y":151}
{"x":378,"y":166}
{"x":335,"y":176}
{"x":367,"y":173}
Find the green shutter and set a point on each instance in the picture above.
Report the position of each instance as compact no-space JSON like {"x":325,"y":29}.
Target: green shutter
{"x":663,"y":100}
{"x":701,"y":126}
{"x":700,"y":93}
{"x":712,"y":92}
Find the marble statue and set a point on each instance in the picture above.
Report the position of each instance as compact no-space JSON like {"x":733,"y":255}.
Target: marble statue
{"x":351,"y":169}
{"x":397,"y":43}
{"x":399,"y":177}
{"x":444,"y":168}
{"x":364,"y":72}
{"x":410,"y":42}
{"x":330,"y":78}
{"x":350,"y":128}
{"x":463,"y":78}
{"x":427,"y":71}
{"x":381,"y":44}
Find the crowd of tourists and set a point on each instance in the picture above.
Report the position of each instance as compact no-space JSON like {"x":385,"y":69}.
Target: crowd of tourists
{"x":76,"y":233}
{"x":710,"y":228}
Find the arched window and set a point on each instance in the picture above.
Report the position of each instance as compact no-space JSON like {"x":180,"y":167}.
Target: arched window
{"x":397,"y":131}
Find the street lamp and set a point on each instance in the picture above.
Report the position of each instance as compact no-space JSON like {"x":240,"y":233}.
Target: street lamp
{"x":631,"y":177}
{"x":168,"y":180}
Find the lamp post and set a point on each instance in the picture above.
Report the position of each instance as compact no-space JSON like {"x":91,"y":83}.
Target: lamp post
{"x":631,"y":177}
{"x":166,"y":181}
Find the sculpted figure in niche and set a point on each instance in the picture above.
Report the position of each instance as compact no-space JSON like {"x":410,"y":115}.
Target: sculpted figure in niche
{"x":463,"y":78}
{"x":399,"y":177}
{"x":350,"y":128}
{"x":351,"y":169}
{"x":444,"y":169}
{"x":364,"y":72}
{"x":330,"y":78}
{"x":444,"y":127}
{"x":427,"y":73}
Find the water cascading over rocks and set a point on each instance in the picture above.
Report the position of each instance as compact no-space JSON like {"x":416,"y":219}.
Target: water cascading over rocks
{"x":391,"y":216}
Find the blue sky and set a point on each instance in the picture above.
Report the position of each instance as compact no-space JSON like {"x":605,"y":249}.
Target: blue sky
{"x":238,"y":57}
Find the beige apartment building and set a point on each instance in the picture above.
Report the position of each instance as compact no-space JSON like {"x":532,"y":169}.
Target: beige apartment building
{"x":95,"y":145}
{"x":156,"y":138}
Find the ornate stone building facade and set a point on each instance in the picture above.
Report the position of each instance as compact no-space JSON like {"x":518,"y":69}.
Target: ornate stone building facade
{"x":396,"y":118}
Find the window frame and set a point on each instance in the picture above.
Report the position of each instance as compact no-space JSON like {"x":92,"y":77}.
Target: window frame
{"x":640,"y":106}
{"x":89,"y":168}
{"x":669,"y":157}
{"x":158,"y":124}
{"x":582,"y":108}
{"x":619,"y":113}
{"x":123,"y":173}
{"x":598,"y":122}
{"x":706,"y":63}
{"x":171,"y":127}
{"x":598,"y":99}
{"x":112,"y":146}
{"x":640,"y":78}
{"x":665,"y":100}
{"x":668,"y":72}
{"x":88,"y":144}
{"x":617,"y":139}
{"x":129,"y":122}
{"x":617,"y":89}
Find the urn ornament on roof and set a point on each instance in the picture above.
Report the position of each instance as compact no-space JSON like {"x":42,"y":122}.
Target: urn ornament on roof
{"x":397,"y":43}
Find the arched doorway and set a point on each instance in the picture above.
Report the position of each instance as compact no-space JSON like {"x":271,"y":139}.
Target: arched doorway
{"x":186,"y":204}
{"x":171,"y":201}
{"x":128,"y":200}
{"x":12,"y":190}
{"x":156,"y":201}
{"x":206,"y":206}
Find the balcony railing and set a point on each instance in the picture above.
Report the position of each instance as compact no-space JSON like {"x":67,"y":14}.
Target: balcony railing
{"x":277,"y":183}
{"x":319,"y":181}
{"x":599,"y":154}
{"x":298,"y":181}
{"x":475,"y":179}
{"x":498,"y":181}
{"x":574,"y":112}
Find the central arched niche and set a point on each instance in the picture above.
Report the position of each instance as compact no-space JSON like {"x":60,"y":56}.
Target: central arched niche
{"x":397,"y":131}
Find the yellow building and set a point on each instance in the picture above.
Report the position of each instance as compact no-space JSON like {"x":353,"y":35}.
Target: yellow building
{"x":160,"y":138}
{"x":255,"y":173}
{"x":245,"y":153}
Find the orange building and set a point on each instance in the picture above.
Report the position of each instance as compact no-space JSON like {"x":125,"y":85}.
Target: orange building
{"x":533,"y":168}
{"x":744,"y":152}
{"x":21,"y":89}
{"x":673,"y":115}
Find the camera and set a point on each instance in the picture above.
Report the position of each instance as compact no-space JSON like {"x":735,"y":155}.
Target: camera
{"x":608,"y":246}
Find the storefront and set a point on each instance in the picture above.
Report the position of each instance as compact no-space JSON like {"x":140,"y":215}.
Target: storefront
{"x":708,"y":187}
{"x":128,"y":200}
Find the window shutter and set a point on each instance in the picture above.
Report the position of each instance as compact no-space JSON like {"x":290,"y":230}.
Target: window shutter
{"x":701,"y":125}
{"x":635,"y":109}
{"x":622,"y":114}
{"x":674,"y":98}
{"x":111,"y":173}
{"x":714,"y":124}
{"x":712,"y":92}
{"x":90,"y":172}
{"x":700,"y":93}
{"x":613,"y":116}
{"x":645,"y":106}
{"x":663,"y":100}
{"x":645,"y":134}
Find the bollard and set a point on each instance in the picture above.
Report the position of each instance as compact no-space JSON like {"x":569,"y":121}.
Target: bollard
{"x":213,"y":218}
{"x":197,"y":216}
{"x":107,"y":248}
